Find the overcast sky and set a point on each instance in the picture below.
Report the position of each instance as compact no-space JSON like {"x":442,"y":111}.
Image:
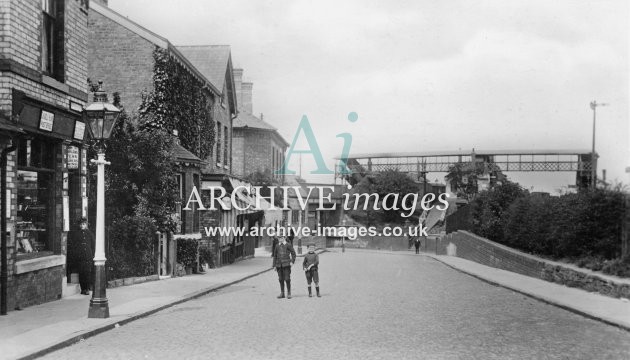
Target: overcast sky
{"x":424,"y":75}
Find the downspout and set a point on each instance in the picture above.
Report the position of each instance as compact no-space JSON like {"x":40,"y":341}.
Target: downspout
{"x":232,"y":142}
{"x":3,"y":227}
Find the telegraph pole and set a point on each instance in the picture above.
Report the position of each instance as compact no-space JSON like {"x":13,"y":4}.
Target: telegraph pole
{"x":594,"y":106}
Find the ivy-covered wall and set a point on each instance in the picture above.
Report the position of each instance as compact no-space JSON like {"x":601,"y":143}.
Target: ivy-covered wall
{"x":179,"y":101}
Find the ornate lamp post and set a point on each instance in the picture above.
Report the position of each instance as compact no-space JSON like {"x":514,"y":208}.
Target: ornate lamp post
{"x":101,"y":117}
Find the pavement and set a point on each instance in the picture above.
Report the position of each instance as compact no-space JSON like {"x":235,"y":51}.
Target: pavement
{"x":609,"y":310}
{"x":40,"y":329}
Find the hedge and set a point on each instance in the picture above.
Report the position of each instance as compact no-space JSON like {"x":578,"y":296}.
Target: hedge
{"x":131,"y":242}
{"x":587,"y":223}
{"x":187,"y":251}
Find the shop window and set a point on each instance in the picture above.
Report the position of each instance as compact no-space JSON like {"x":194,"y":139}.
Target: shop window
{"x":52,"y":38}
{"x":36,"y":153}
{"x":35,"y":196}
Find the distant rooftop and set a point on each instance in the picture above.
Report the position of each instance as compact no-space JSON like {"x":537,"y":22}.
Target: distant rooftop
{"x":245,"y":119}
{"x":183,"y":155}
{"x":210,"y":60}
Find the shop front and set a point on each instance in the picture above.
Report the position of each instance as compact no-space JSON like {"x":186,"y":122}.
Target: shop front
{"x":46,"y":195}
{"x":237,"y":245}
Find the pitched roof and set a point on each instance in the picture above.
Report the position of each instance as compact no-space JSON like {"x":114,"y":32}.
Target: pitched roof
{"x":292,"y":180}
{"x":211,"y":60}
{"x":183,"y":155}
{"x":245,"y":119}
{"x":151,"y":37}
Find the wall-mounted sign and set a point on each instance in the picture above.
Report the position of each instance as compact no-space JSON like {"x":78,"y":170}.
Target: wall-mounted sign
{"x":8,"y":204}
{"x":84,"y":205}
{"x":79,"y":130}
{"x":75,"y":106}
{"x":73,"y":157}
{"x":46,"y":120}
{"x":66,"y":213}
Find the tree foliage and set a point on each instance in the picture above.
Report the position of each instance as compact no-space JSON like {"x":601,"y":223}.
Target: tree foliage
{"x":463,"y":177}
{"x":132,"y":247}
{"x":262,"y":178}
{"x":187,"y":251}
{"x":141,"y":178}
{"x":489,"y":207}
{"x":265,"y":179}
{"x":384,"y":183}
{"x":583,"y":224}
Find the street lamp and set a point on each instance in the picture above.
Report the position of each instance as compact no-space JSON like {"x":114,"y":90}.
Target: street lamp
{"x":101,"y":117}
{"x":343,"y":214}
{"x":594,"y":106}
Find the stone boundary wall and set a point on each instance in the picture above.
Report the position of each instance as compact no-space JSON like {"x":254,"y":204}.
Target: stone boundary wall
{"x":486,"y":252}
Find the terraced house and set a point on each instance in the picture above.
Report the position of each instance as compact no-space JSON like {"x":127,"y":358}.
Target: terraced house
{"x":43,"y":72}
{"x":215,"y":62}
{"x":189,"y":90}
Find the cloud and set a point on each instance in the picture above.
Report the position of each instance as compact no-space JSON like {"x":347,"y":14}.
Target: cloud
{"x":423,"y":75}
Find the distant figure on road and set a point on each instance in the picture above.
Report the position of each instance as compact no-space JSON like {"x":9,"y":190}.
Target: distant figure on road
{"x":283,"y":257}
{"x":274,"y":243}
{"x":417,"y":242}
{"x":310,"y":266}
{"x":291,"y":236}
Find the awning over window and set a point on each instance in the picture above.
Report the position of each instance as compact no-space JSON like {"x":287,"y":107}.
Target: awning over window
{"x":242,"y":197}
{"x":7,"y":126}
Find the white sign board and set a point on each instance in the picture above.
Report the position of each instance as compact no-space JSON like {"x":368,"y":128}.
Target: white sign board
{"x":8,"y":203}
{"x":84,"y":206}
{"x":66,"y":214}
{"x":46,"y":121}
{"x":73,"y":157}
{"x":79,"y":130}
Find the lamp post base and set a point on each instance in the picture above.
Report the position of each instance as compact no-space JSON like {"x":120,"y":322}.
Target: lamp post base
{"x":99,"y":305}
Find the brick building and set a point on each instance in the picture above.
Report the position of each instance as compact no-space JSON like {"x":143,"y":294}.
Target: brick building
{"x":257,"y":145}
{"x":215,"y":63}
{"x":122,"y":54}
{"x":43,"y":72}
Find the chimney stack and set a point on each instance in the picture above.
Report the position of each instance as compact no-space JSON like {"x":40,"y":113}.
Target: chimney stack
{"x":246,"y":97}
{"x":238,"y":80}
{"x":243,"y":92}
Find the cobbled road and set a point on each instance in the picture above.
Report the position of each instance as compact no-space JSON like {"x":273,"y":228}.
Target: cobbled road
{"x":374,"y":306}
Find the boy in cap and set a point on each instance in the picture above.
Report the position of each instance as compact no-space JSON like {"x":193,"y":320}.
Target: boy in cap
{"x":310,"y":266}
{"x":283,"y":257}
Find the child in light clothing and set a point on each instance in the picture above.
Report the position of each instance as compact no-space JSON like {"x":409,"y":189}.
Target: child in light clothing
{"x":310,"y":266}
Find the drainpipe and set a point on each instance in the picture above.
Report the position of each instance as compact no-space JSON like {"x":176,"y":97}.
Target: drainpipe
{"x":3,"y":227}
